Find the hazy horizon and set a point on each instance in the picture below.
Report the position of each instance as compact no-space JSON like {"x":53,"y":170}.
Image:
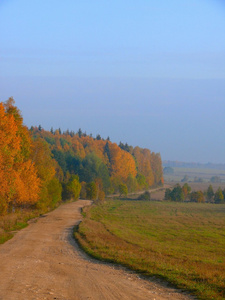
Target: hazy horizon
{"x":150,"y":74}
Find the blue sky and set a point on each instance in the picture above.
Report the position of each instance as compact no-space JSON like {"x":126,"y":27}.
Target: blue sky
{"x":149,"y":73}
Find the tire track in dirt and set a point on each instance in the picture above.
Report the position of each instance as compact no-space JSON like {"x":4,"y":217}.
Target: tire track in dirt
{"x":43,"y":261}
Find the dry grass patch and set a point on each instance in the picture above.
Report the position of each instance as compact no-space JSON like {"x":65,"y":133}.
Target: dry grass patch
{"x":15,"y":221}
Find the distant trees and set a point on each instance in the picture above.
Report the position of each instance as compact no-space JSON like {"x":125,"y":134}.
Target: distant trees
{"x":186,"y":190}
{"x":168,"y":171}
{"x":176,"y":194}
{"x":197,"y":196}
{"x":215,"y":179}
{"x":180,"y":194}
{"x":210,"y":193}
{"x":185,"y":179}
{"x":184,"y":193}
{"x":198,"y":179}
{"x":219,"y":197}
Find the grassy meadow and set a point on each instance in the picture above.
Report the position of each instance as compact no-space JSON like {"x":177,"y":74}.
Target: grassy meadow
{"x":183,"y":243}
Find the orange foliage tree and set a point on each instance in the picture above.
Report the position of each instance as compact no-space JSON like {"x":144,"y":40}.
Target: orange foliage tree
{"x":122,"y":164}
{"x":46,"y":170}
{"x":157,"y":168}
{"x":143,"y":159}
{"x":18,"y":177}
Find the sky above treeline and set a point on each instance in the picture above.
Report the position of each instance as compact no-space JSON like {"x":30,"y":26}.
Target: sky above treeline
{"x":149,"y":73}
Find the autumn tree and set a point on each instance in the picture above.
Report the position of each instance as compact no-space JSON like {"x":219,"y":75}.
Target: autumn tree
{"x":219,"y":198}
{"x":123,"y":190}
{"x":156,"y":163}
{"x":9,"y":147}
{"x":91,"y":190}
{"x":186,"y":190}
{"x":144,"y":167}
{"x":72,"y":188}
{"x":141,"y":181}
{"x":132,"y":183}
{"x":122,"y":163}
{"x":18,"y":175}
{"x":46,"y":171}
{"x":197,"y":196}
{"x":54,"y":189}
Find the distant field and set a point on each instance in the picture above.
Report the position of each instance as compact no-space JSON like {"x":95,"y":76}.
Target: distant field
{"x":205,"y":174}
{"x":183,"y":243}
{"x":159,"y":194}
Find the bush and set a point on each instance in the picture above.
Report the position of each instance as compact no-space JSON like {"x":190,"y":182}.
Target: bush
{"x":72,"y":188}
{"x":146,"y":196}
{"x":123,"y":190}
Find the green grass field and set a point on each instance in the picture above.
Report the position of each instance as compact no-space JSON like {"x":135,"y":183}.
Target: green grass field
{"x":183,"y":243}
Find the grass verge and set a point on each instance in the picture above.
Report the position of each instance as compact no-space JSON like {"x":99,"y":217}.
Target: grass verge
{"x":13,"y":222}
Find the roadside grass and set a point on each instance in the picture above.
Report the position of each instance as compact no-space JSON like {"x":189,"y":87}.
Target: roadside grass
{"x":182,"y":243}
{"x":13,"y":222}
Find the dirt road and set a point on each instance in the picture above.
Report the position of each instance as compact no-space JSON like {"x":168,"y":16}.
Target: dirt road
{"x":42,"y":261}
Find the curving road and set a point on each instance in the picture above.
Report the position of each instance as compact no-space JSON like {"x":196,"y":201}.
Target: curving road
{"x":43,"y":261}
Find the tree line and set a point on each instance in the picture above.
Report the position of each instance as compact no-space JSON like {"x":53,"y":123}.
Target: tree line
{"x":184,"y":193}
{"x":40,"y":168}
